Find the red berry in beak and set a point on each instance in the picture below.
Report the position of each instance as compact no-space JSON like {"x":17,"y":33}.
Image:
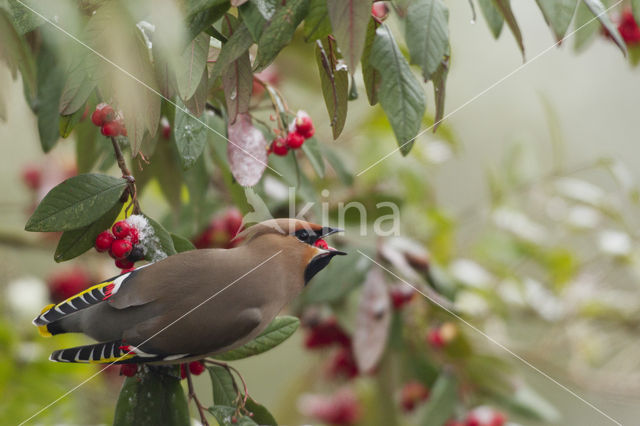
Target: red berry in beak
{"x":320,"y":243}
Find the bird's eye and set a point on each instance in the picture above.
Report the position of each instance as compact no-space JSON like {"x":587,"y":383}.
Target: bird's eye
{"x":302,"y":235}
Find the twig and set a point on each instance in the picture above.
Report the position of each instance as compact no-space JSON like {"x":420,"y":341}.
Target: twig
{"x":241,"y":398}
{"x":131,"y":181}
{"x":192,"y":395}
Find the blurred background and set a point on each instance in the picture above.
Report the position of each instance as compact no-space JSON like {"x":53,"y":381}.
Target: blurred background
{"x":525,"y":199}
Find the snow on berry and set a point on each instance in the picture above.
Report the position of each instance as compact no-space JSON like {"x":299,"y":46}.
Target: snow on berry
{"x":148,"y":241}
{"x":485,"y":416}
{"x":303,"y":125}
{"x":103,"y":114}
{"x":165,"y":127}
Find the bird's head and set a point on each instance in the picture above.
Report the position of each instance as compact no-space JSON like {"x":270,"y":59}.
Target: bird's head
{"x":297,"y":236}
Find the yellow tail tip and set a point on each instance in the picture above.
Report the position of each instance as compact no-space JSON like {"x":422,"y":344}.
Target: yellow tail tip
{"x":46,"y":308}
{"x":44,"y":331}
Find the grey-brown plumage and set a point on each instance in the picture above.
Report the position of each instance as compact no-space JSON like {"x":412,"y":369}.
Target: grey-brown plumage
{"x":195,"y":303}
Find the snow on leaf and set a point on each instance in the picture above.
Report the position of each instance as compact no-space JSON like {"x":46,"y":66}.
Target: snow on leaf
{"x":372,"y":322}
{"x":247,"y":151}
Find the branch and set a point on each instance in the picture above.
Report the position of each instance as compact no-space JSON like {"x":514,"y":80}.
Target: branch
{"x":131,"y":185}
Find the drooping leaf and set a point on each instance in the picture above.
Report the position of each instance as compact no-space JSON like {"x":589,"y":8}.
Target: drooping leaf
{"x":74,"y":243}
{"x":279,"y":31}
{"x":493,"y":17}
{"x":235,"y":46}
{"x":247,"y":151}
{"x":237,"y":79}
{"x":312,"y":151}
{"x":51,"y":80}
{"x":190,"y":134}
{"x":558,"y":14}
{"x":76,"y":202}
{"x":334,"y":79}
{"x":349,"y":19}
{"x":87,"y":148}
{"x":191,"y":65}
{"x":181,"y":244}
{"x":442,"y":401}
{"x":164,"y":239}
{"x":81,"y":80}
{"x":317,"y":24}
{"x":504,"y":6}
{"x":261,"y":414}
{"x":585,"y":27}
{"x":372,"y":322}
{"x":400,"y":94}
{"x":68,"y":122}
{"x":439,"y":78}
{"x":528,"y":403}
{"x":224,"y":392}
{"x":600,"y":12}
{"x":15,"y":52}
{"x":155,"y":398}
{"x":370,"y":76}
{"x":224,"y":415}
{"x":256,"y":13}
{"x":280,"y":329}
{"x":198,"y":101}
{"x":427,"y":34}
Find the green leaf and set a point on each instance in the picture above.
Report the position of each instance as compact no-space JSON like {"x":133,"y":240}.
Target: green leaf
{"x":190,"y":134}
{"x":87,"y":149}
{"x":181,"y":243}
{"x":235,"y":46}
{"x":598,"y":10}
{"x":191,"y":65}
{"x":427,"y":34}
{"x":166,"y":242}
{"x":50,"y":75}
{"x":439,"y":78}
{"x":76,"y":202}
{"x":528,"y":403}
{"x":504,"y":6}
{"x":16,"y":54}
{"x":256,"y":13}
{"x":349,"y":19}
{"x":335,"y":160}
{"x":261,"y":414}
{"x":202,"y":14}
{"x":224,"y":415}
{"x":635,"y":9}
{"x":81,"y":80}
{"x":280,"y":329}
{"x":317,"y":24}
{"x":237,"y":79}
{"x":153,"y":398}
{"x":370,"y":76}
{"x":334,"y":79}
{"x":222,"y":382}
{"x":74,"y":243}
{"x":312,"y":151}
{"x":493,"y":17}
{"x":558,"y":14}
{"x":23,"y":19}
{"x":585,"y":27}
{"x":442,"y":401}
{"x":68,"y":122}
{"x":279,"y":31}
{"x":401,"y":95}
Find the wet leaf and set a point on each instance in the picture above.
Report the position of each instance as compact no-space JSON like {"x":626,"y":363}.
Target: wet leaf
{"x":349,"y":19}
{"x":246,"y":151}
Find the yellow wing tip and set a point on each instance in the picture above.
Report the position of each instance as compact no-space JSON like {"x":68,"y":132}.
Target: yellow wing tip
{"x":44,"y":331}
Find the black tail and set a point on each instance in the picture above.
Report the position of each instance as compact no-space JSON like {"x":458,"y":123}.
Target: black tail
{"x":115,"y":352}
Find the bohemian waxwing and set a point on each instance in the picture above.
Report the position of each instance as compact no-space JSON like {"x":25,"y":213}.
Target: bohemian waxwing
{"x":193,"y":304}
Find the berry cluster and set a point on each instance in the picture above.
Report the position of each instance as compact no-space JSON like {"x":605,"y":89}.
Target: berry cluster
{"x":401,"y":294}
{"x":341,"y":408}
{"x":328,"y":333}
{"x":196,"y":368}
{"x":66,"y":283}
{"x":481,"y":416}
{"x":111,"y":124}
{"x":121,"y":243}
{"x":413,"y":393}
{"x":440,"y":336}
{"x":221,"y":231}
{"x":300,"y":130}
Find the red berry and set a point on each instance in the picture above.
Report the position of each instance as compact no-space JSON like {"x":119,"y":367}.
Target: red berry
{"x":294,"y":140}
{"x":320,"y":243}
{"x":343,"y":364}
{"x":233,"y":221}
{"x":401,"y":295}
{"x":111,"y":129}
{"x":121,"y":229}
{"x":103,"y":114}
{"x":325,"y":334}
{"x":196,"y":367}
{"x":412,"y":394}
{"x":104,"y":241}
{"x":304,"y":126}
{"x":166,"y":128}
{"x":279,"y":147}
{"x":120,"y":249}
{"x":66,"y":283}
{"x":183,"y":371}
{"x":435,"y":338}
{"x":628,"y":28}
{"x":128,"y":370}
{"x":124,"y":264}
{"x":32,"y":177}
{"x":380,"y":10}
{"x":134,"y":236}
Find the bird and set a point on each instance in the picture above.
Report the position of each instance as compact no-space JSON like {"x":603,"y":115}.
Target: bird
{"x":192,"y":304}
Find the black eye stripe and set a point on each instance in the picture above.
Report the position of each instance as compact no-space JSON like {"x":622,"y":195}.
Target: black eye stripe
{"x":306,"y":236}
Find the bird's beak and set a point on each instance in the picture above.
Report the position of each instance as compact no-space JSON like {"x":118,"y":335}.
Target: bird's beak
{"x":326,"y":231}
